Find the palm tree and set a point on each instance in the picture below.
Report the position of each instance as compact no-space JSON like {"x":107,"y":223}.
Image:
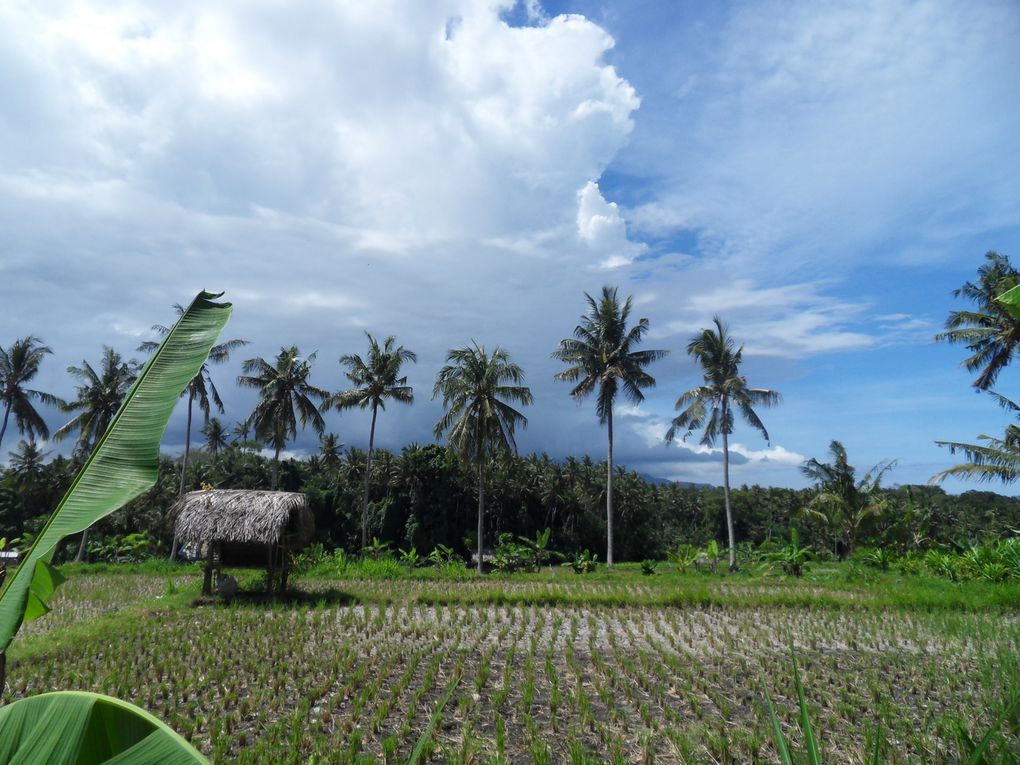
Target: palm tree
{"x":601,"y":356}
{"x":843,"y":504}
{"x":376,"y":380}
{"x":201,"y":387}
{"x":285,"y":398}
{"x":215,"y":435}
{"x":711,"y":405}
{"x":479,"y":422}
{"x":98,"y":399}
{"x":18,"y":365}
{"x":991,"y":333}
{"x":995,"y":459}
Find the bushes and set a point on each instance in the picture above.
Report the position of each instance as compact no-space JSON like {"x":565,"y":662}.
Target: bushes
{"x":996,"y":560}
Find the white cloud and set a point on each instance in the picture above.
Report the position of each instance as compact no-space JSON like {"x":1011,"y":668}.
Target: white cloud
{"x":602,"y":228}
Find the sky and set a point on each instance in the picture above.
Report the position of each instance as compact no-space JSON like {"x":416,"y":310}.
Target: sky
{"x":821,"y":176}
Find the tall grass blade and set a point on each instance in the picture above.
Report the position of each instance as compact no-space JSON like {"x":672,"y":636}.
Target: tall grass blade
{"x":814,"y":755}
{"x":777,"y":731}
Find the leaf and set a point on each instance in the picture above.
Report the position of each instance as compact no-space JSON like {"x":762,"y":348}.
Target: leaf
{"x":810,"y":742}
{"x":1010,"y":299}
{"x":777,"y":731}
{"x":79,"y":728}
{"x":124,"y":463}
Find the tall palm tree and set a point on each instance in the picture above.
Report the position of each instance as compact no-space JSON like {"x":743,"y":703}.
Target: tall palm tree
{"x":376,"y":380}
{"x":843,"y":503}
{"x":200,"y":388}
{"x":711,"y":405}
{"x":19,"y":363}
{"x":479,"y":423}
{"x":601,"y":356}
{"x":991,"y":332}
{"x":285,"y":398}
{"x":98,"y":399}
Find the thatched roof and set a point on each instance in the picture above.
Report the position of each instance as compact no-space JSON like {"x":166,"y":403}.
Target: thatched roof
{"x":242,"y":515}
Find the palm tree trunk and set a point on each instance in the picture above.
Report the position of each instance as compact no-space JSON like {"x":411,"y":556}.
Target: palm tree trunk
{"x":726,"y":498}
{"x":609,"y":492}
{"x":276,"y":470}
{"x":7,"y":414}
{"x":81,"y":547}
{"x":368,"y":470}
{"x":481,"y":511}
{"x":184,"y":465}
{"x":187,"y":443}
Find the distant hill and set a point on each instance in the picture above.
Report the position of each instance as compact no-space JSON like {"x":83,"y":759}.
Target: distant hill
{"x":648,"y":478}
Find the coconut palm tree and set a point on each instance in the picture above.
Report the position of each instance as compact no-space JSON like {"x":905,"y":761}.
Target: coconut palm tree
{"x":991,"y":333}
{"x":285,"y":399}
{"x":601,"y":357}
{"x":994,"y":459}
{"x":843,"y":503}
{"x":19,"y":363}
{"x":201,"y":387}
{"x":376,"y":380}
{"x":215,"y":435}
{"x":711,"y":405}
{"x":98,"y":399}
{"x":478,"y":420}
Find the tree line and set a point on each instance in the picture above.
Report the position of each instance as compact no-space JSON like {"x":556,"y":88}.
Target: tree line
{"x":483,"y":393}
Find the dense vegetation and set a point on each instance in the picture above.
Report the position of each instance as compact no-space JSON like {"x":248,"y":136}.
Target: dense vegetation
{"x":425,"y":496}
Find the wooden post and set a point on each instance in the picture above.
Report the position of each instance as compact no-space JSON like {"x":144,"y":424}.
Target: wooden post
{"x":207,"y":581}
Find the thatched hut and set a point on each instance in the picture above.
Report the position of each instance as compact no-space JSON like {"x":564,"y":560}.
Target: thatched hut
{"x":243,"y":528}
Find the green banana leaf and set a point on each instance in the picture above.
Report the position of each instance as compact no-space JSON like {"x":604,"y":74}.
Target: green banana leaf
{"x":123,"y":464}
{"x":79,"y":728}
{"x":1010,"y":299}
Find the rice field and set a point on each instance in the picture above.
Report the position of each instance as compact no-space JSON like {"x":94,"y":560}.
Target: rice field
{"x":574,"y":670}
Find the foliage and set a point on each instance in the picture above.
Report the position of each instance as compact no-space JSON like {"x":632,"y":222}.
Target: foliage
{"x":99,"y":398}
{"x":88,"y":729}
{"x":991,"y":332}
{"x":583,"y":562}
{"x":648,"y":567}
{"x":843,"y":504}
{"x":792,"y":558}
{"x":510,"y":556}
{"x":682,"y":556}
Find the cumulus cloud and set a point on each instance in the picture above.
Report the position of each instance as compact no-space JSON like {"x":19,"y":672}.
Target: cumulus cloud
{"x":603,"y":230}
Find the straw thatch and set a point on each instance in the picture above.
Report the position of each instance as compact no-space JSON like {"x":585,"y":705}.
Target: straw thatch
{"x":246,"y":516}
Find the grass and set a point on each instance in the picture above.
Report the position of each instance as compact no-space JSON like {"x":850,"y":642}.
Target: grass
{"x":614,"y":666}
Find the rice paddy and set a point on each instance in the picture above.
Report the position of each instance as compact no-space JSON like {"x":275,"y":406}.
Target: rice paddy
{"x":618,"y":668}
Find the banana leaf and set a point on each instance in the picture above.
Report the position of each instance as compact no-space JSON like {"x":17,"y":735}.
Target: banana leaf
{"x":124,"y":463}
{"x":1010,"y":299}
{"x":79,"y":728}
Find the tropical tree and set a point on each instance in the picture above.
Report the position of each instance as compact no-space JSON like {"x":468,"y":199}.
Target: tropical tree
{"x":479,"y":421}
{"x":601,"y":358}
{"x":285,"y":399}
{"x":990,"y":332}
{"x":19,"y":363}
{"x":376,"y":380}
{"x":98,"y":399}
{"x":711,"y":405}
{"x":843,"y":504}
{"x":201,"y":388}
{"x":215,"y":435}
{"x":994,"y":459}
{"x":329,"y":451}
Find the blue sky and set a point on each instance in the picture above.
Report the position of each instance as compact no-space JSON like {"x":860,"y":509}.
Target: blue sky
{"x":821,"y":175}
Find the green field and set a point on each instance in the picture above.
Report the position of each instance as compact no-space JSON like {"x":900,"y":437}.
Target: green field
{"x":551,"y":667}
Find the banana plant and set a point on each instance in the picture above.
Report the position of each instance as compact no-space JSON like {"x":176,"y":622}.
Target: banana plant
{"x":124,"y":464}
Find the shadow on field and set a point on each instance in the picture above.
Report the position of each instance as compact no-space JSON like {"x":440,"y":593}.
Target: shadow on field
{"x":257,"y":598}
